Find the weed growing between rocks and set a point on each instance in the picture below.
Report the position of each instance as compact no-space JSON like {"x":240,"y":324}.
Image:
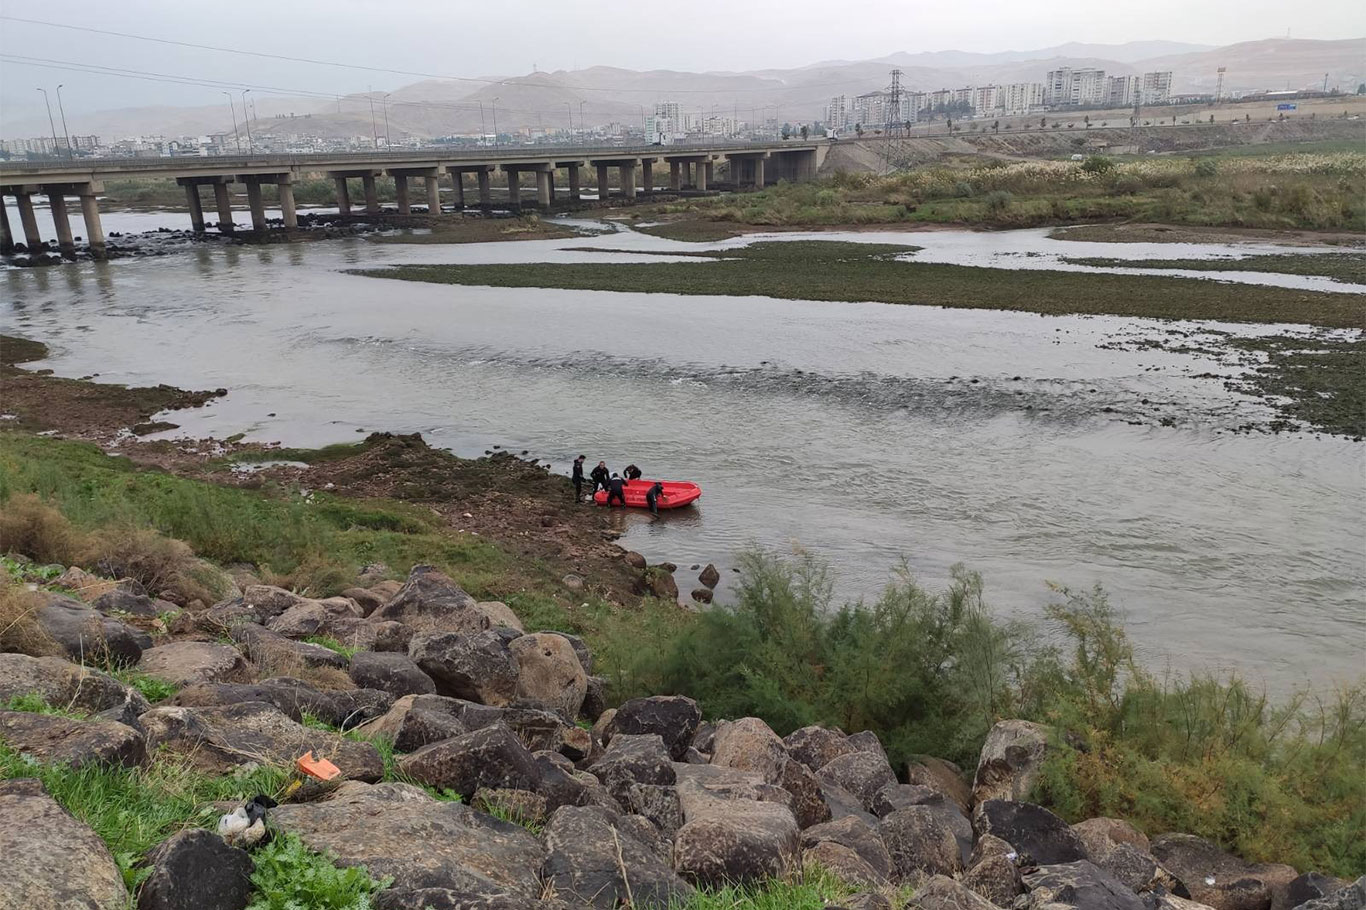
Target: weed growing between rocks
{"x":133,"y":809}
{"x":153,"y":689}
{"x":288,"y":875}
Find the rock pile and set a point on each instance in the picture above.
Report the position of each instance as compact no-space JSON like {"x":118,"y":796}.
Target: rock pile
{"x":562,"y":801}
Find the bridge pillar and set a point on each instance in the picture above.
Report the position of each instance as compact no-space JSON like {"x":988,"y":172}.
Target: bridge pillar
{"x":647,"y":174}
{"x":514,"y":188}
{"x":256,"y":204}
{"x":700,"y":174}
{"x":343,"y":197}
{"x":627,"y":176}
{"x":32,"y":239}
{"x":545,"y":187}
{"x":758,"y":173}
{"x":574,"y":182}
{"x":458,"y":182}
{"x":602,"y":182}
{"x":485,"y":188}
{"x":708,"y":173}
{"x":224,"y":203}
{"x":401,"y":194}
{"x":90,"y":211}
{"x":65,"y":243}
{"x":196,"y":207}
{"x":433,"y":194}
{"x":288,"y":210}
{"x":367,"y":182}
{"x":6,"y":235}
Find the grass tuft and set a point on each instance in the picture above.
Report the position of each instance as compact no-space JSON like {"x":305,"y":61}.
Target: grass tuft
{"x":289,"y":876}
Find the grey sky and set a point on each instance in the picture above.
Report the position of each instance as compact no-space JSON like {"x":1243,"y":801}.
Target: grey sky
{"x":483,"y":39}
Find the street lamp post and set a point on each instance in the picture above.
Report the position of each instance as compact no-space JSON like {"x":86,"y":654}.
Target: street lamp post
{"x":581,"y":126}
{"x":70,"y":153}
{"x":246,"y":120}
{"x":374,"y":130}
{"x":570,"y":108}
{"x":385,"y":102}
{"x":235,"y":134}
{"x":494,"y":105}
{"x":49,"y":120}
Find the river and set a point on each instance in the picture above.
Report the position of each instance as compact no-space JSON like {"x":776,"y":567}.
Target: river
{"x":864,"y":433}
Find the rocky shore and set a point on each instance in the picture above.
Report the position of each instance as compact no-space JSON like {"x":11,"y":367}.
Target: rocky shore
{"x":480,"y":767}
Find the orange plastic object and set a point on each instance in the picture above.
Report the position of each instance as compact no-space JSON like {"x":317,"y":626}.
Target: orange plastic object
{"x":320,"y":768}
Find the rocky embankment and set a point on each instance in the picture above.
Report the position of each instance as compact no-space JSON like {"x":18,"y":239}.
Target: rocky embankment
{"x":563,"y":801}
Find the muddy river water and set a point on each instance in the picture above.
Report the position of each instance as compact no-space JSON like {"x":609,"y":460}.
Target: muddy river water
{"x":864,"y":433}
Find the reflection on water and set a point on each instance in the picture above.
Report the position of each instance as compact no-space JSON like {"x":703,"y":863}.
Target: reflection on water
{"x":864,"y":432}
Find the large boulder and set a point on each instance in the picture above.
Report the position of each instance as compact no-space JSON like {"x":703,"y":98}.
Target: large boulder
{"x":1039,"y":836}
{"x":501,"y":615}
{"x":994,"y":875}
{"x":854,"y":834}
{"x":940,"y":892}
{"x":430,"y":602}
{"x":52,"y":861}
{"x":54,"y":740}
{"x":415,"y":721}
{"x":749,"y":745}
{"x":1218,"y":878}
{"x":275,"y":655}
{"x":63,"y":684}
{"x":294,"y":697}
{"x":941,"y":776}
{"x":861,"y":773}
{"x":843,"y":863}
{"x":221,"y":739}
{"x":640,"y":758}
{"x":121,"y":601}
{"x":477,"y":667}
{"x":1122,"y":850}
{"x":184,"y":663}
{"x":89,"y":637}
{"x":549,"y":672}
{"x":808,"y":797}
{"x":398,"y":831}
{"x":490,"y":758}
{"x":674,"y":718}
{"x":724,"y":841}
{"x":816,"y":747}
{"x":1010,"y":761}
{"x":335,"y":617}
{"x":1081,"y":885}
{"x":396,"y":674}
{"x":1101,"y":835}
{"x":594,"y":860}
{"x":195,"y":870}
{"x":1349,"y":897}
{"x":900,"y":796}
{"x":920,"y":844}
{"x":1313,"y":887}
{"x":267,"y":601}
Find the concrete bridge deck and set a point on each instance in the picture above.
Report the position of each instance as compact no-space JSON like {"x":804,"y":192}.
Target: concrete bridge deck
{"x":690,"y":167}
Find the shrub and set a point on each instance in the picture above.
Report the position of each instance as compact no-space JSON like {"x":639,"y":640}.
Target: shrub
{"x":1206,"y":167}
{"x":1098,"y":164}
{"x":288,"y":875}
{"x":964,"y":190}
{"x":998,"y":201}
{"x":19,"y":628}
{"x":31,"y":527}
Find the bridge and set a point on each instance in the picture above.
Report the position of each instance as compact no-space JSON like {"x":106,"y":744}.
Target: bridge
{"x":691,"y":167}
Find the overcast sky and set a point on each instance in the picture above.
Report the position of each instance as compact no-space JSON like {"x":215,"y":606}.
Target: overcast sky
{"x":482,"y":38}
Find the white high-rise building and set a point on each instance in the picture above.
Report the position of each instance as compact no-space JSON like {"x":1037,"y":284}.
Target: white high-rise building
{"x":1157,"y":87}
{"x":1120,"y":91}
{"x":1075,"y":87}
{"x":837,"y":113}
{"x":1021,"y":97}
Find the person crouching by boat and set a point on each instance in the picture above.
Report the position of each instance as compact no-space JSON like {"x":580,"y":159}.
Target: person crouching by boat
{"x":616,"y":491}
{"x":652,"y":497}
{"x":632,"y":473}
{"x":599,"y":476}
{"x":577,"y":478}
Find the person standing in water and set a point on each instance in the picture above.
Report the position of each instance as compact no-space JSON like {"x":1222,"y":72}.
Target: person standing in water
{"x":577,"y":478}
{"x":652,"y":497}
{"x":616,"y":491}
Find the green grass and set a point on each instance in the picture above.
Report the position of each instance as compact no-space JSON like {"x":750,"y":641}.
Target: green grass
{"x":1320,"y":381}
{"x":36,"y":704}
{"x":690,"y":230}
{"x":1349,"y":267}
{"x":153,"y":689}
{"x":133,"y":809}
{"x":839,"y":271}
{"x":289,"y":876}
{"x":332,"y":644}
{"x":813,"y":889}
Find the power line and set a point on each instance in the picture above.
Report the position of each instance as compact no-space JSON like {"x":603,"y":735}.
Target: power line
{"x":515,"y":81}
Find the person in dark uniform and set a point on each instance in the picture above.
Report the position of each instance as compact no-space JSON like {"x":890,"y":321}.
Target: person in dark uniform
{"x":652,"y":497}
{"x":600,"y":476}
{"x":577,"y":478}
{"x":632,"y":472}
{"x":616,"y":491}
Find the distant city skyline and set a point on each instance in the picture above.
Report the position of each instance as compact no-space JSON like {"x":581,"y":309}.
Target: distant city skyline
{"x":453,"y":40}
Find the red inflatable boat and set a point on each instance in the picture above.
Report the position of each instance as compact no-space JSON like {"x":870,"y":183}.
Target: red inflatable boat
{"x":677,"y":493}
